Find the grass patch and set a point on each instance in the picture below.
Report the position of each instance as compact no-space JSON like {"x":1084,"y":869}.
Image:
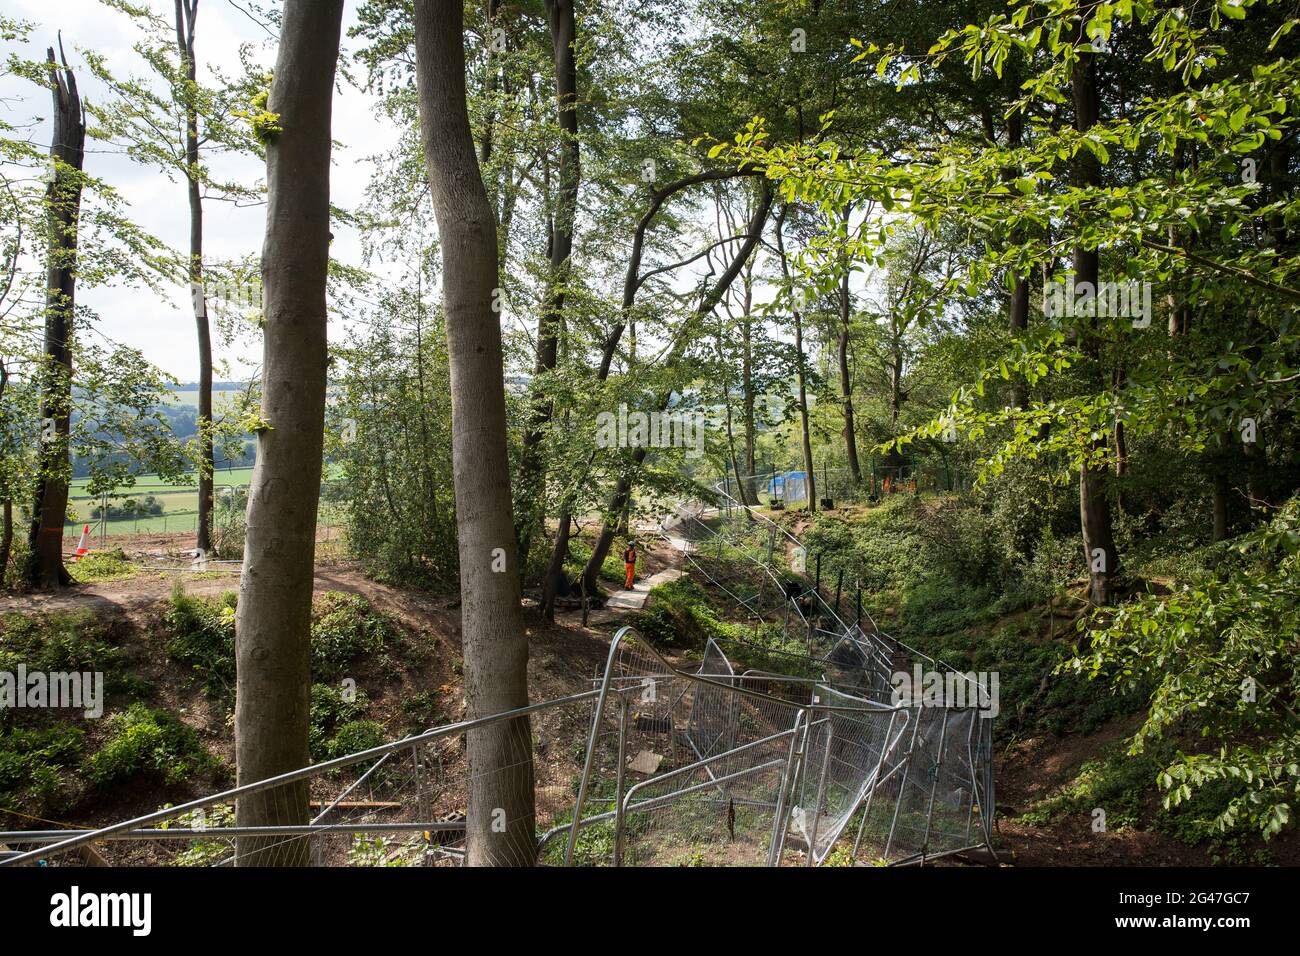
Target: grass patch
{"x":111,"y":565}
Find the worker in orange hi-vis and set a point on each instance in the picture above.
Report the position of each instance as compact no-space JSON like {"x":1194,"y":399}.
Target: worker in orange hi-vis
{"x":629,"y":565}
{"x":887,"y":484}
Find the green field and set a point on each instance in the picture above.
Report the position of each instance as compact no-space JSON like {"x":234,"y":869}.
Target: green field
{"x":180,"y":502}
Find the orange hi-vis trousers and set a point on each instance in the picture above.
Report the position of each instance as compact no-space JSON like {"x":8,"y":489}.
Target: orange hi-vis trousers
{"x":631,"y":576}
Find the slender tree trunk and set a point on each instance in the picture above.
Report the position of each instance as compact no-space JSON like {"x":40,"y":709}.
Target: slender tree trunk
{"x":747,"y":409}
{"x":1219,"y":503}
{"x":1258,"y":491}
{"x":745,"y":483}
{"x":186,"y":12}
{"x":803,"y":414}
{"x":631,"y":285}
{"x":846,"y":380}
{"x":1100,"y":552}
{"x":500,"y":822}
{"x":800,"y":373}
{"x":896,"y":385}
{"x":532,"y":470}
{"x":6,"y":539}
{"x":493,"y":84}
{"x":741,"y":480}
{"x":63,"y":202}
{"x":621,"y":498}
{"x":1018,"y":321}
{"x":1121,"y":448}
{"x":1018,"y":306}
{"x":7,"y":530}
{"x":1121,"y":463}
{"x":1179,"y":314}
{"x":273,"y":621}
{"x":726,"y":404}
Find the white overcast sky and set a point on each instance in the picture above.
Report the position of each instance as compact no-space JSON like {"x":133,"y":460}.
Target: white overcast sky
{"x":164,"y":329}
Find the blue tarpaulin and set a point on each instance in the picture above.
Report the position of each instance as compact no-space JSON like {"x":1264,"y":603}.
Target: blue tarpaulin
{"x":792,"y":481}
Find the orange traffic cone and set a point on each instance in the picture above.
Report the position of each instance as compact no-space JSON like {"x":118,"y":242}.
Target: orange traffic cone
{"x":82,"y":545}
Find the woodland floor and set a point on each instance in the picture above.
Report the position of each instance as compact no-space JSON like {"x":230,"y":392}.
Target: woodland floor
{"x":563,"y":658}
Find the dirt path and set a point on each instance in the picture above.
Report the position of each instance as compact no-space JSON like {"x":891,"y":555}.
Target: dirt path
{"x":149,"y":587}
{"x":635,"y":598}
{"x":659,"y":564}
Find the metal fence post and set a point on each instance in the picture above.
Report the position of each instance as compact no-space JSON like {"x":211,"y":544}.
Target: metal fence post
{"x":902,"y":787}
{"x":618,"y":784}
{"x":596,"y":717}
{"x":938,"y":767}
{"x":875,"y":781}
{"x":821,"y":788}
{"x":786,"y":793}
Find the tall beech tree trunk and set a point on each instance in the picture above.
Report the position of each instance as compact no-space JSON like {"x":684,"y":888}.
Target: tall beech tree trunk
{"x":186,"y":13}
{"x":500,"y":820}
{"x":1094,"y":508}
{"x":273,"y":621}
{"x":532,"y":470}
{"x":63,"y":204}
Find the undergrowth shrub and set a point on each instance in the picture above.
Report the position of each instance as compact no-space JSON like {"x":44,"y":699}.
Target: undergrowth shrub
{"x":64,"y":641}
{"x":680,"y":614}
{"x":1123,"y":784}
{"x":331,"y":709}
{"x":151,"y":743}
{"x":344,"y":628}
{"x":203,"y":638}
{"x":354,"y":736}
{"x":611,"y":569}
{"x":33,"y":764}
{"x":1219,"y":655}
{"x":78,"y":640}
